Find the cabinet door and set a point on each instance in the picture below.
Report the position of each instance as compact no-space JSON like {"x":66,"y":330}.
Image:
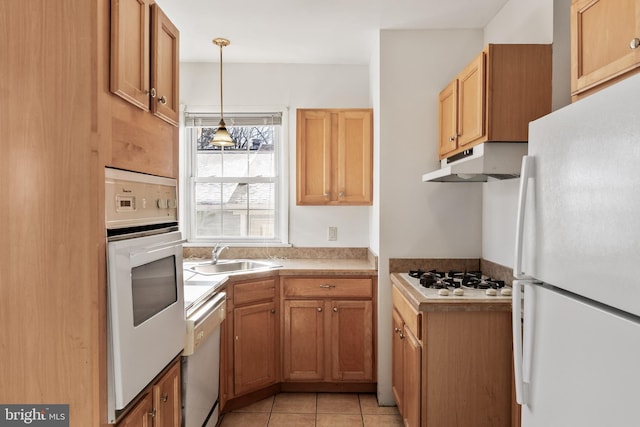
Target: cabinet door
{"x":141,"y":415}
{"x":304,"y":336}
{"x":448,"y":119}
{"x":397,"y":361}
{"x":254,"y":347}
{"x":601,"y":35}
{"x":351,"y":340}
{"x":130,"y":51}
{"x":355,"y":157}
{"x":471,"y":101}
{"x":313,"y":151}
{"x":166,"y":396}
{"x":164,"y":69}
{"x":412,"y":371}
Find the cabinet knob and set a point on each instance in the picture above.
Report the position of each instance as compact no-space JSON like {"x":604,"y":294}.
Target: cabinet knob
{"x":401,"y":336}
{"x":319,"y":309}
{"x":452,"y":138}
{"x":396,"y":330}
{"x":153,"y":92}
{"x":341,"y":194}
{"x":634,"y":43}
{"x":326,"y":194}
{"x":164,"y":397}
{"x":152,"y":413}
{"x":335,"y":309}
{"x":163,"y":100}
{"x":273,"y":311}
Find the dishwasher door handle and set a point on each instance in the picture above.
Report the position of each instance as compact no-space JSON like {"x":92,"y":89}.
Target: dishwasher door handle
{"x":202,"y":324}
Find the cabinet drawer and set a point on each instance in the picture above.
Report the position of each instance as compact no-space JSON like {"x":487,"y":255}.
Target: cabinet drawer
{"x":246,"y":293}
{"x":328,"y":287}
{"x":410,"y":316}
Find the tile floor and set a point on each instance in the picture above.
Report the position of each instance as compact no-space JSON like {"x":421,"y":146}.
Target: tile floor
{"x":314,"y":410}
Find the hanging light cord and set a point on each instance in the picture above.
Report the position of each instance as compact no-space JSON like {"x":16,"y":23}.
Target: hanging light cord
{"x":221,"y":105}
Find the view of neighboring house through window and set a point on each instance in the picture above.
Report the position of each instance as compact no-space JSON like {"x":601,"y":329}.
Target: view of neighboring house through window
{"x":234,"y":192}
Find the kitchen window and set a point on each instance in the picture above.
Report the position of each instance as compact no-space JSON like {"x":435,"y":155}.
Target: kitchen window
{"x":236,"y":194}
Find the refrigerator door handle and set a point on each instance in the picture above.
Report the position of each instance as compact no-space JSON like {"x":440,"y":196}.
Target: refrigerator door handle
{"x":525,"y":173}
{"x":516,"y":311}
{"x":522,"y":337}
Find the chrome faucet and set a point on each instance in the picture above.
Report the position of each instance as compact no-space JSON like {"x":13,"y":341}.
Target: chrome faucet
{"x":216,"y":251}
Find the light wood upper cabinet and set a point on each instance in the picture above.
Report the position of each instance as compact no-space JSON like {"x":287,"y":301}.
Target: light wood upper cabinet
{"x":144,"y":58}
{"x":495,"y":97}
{"x":605,"y":42}
{"x":130,"y":23}
{"x":165,"y":67}
{"x":334,"y":157}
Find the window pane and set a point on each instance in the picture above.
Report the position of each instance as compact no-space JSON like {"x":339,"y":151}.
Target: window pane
{"x":261,"y":223}
{"x":209,"y":163}
{"x":261,"y":196}
{"x":236,"y":163}
{"x":262,"y":163}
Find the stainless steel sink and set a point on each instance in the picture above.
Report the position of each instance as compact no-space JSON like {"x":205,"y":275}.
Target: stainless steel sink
{"x":232,"y":266}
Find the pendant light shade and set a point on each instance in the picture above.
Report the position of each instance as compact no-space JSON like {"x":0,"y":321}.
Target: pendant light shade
{"x":222,"y":137}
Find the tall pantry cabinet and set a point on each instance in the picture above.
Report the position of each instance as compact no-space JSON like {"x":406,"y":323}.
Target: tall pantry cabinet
{"x":59,"y":127}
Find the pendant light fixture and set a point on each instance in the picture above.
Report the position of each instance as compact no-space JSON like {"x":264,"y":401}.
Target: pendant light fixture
{"x":222,"y":137}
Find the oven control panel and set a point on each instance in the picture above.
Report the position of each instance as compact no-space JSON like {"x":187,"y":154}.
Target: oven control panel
{"x":136,"y":199}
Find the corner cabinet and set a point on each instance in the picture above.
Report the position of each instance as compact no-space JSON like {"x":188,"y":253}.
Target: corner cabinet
{"x":605,"y":43}
{"x":495,"y":97}
{"x":144,"y":58}
{"x":334,"y":157}
{"x":328,"y":329}
{"x":161,"y":405}
{"x":250,"y":342}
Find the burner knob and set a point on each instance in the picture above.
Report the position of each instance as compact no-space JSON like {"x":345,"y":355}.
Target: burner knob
{"x":458,"y":292}
{"x":505,"y":292}
{"x":443,"y":292}
{"x":491,"y":292}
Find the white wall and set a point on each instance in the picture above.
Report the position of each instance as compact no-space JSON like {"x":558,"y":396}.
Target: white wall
{"x":417,"y":219}
{"x":523,"y":21}
{"x":293,"y":86}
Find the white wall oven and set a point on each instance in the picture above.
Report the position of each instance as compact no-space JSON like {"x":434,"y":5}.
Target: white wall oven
{"x":146,"y":322}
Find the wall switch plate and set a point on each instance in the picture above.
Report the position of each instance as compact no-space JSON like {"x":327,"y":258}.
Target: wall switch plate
{"x":333,"y":233}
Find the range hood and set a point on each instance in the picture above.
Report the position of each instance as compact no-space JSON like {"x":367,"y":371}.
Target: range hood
{"x":497,"y":160}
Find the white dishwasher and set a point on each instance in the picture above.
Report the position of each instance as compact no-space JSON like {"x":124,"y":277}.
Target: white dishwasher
{"x":201,"y":361}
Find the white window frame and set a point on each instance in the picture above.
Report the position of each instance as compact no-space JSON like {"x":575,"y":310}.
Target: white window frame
{"x":188,"y":163}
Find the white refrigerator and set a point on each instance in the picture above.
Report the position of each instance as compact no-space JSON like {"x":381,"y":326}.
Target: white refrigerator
{"x":576,"y":299}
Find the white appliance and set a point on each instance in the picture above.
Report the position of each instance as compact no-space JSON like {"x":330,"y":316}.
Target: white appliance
{"x":205,"y":309}
{"x":497,"y":160}
{"x":577,"y":339}
{"x":146,"y":317}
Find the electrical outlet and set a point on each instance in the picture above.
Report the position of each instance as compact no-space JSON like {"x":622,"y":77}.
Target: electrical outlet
{"x":333,"y":233}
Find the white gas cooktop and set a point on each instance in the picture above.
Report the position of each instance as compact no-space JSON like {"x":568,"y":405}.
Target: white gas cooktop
{"x":461,"y":293}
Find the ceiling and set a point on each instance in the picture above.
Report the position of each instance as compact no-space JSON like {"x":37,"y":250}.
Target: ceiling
{"x":311,"y":32}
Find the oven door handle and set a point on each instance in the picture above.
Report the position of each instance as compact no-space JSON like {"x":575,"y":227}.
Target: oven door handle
{"x":156,"y":248}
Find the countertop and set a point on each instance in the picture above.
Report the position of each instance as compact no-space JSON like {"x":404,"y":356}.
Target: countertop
{"x":420,"y":303}
{"x":301,"y":267}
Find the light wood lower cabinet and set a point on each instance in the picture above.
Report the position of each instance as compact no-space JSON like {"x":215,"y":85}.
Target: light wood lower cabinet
{"x":453,"y":369}
{"x":407,"y":365}
{"x":254,"y":346}
{"x":326,"y":338}
{"x":249,"y":338}
{"x":161,"y":405}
